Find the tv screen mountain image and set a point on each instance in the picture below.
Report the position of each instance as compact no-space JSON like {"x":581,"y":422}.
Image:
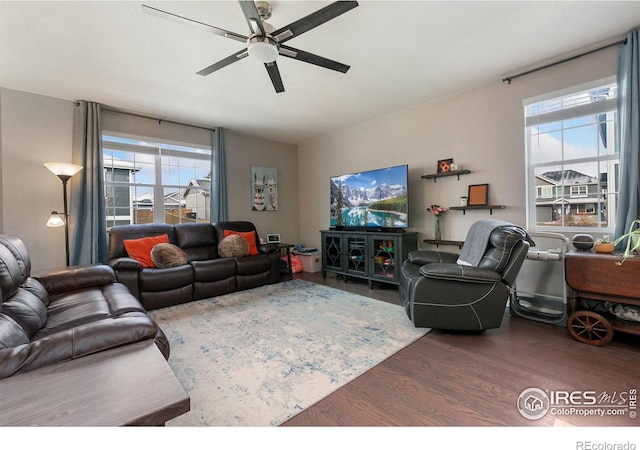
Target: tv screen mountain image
{"x":374,"y":198}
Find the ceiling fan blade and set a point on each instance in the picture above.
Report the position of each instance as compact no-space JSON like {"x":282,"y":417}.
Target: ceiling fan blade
{"x":252,"y":15}
{"x":310,"y":58}
{"x":313,"y":20}
{"x":186,"y":21}
{"x":274,"y":74}
{"x":224,"y":62}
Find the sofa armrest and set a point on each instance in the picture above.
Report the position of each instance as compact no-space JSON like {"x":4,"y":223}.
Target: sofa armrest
{"x":125,"y":263}
{"x":421,"y":257}
{"x":76,"y":277}
{"x":77,"y":342}
{"x":449,"y":271}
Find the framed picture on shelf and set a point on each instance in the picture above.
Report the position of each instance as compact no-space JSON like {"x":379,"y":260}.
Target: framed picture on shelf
{"x":444,"y":165}
{"x":478,"y":195}
{"x":273,"y":238}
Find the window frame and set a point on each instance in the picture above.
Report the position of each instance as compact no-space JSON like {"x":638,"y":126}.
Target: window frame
{"x":611,"y":159}
{"x":580,"y":190}
{"x":157,"y":149}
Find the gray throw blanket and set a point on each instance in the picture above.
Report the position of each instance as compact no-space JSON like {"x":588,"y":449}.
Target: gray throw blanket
{"x":477,"y":240}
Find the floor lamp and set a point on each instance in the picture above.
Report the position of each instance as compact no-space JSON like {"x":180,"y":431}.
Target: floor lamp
{"x":64,"y":171}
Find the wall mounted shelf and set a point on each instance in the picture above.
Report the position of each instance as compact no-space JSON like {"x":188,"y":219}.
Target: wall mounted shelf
{"x":435,"y":176}
{"x":464,"y":208}
{"x":440,"y":242}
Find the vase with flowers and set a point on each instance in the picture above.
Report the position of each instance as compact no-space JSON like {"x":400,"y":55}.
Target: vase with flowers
{"x":437,"y":211}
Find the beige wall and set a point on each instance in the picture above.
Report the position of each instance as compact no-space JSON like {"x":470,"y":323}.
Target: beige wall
{"x":245,"y":151}
{"x":481,"y":128}
{"x":35,"y":129}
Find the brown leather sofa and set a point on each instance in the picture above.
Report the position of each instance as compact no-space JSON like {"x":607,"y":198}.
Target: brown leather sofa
{"x":63,"y":314}
{"x":205,"y":275}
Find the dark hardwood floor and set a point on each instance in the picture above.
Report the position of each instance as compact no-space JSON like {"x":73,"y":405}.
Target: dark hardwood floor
{"x":474,"y":379}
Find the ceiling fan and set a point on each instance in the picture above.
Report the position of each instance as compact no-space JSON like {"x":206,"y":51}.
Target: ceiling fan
{"x":265,"y":43}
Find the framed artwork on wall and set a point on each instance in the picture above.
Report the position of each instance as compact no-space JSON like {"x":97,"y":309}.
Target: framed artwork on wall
{"x":264,"y":188}
{"x":444,"y":165}
{"x":478,"y":195}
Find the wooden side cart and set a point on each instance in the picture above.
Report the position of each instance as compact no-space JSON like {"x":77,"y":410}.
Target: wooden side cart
{"x":597,"y":277}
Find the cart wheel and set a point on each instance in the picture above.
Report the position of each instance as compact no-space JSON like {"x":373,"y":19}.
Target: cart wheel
{"x":589,"y":327}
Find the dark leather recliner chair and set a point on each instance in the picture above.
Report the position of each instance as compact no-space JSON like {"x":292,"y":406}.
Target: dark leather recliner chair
{"x":439,"y":292}
{"x":64,"y":314}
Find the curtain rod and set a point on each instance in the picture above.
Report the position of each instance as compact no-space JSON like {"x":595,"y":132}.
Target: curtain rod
{"x":571,"y":58}
{"x":159,"y":119}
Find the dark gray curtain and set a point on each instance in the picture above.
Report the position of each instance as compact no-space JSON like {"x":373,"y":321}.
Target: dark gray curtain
{"x":628,"y":133}
{"x":87,"y":224}
{"x":218,"y":197}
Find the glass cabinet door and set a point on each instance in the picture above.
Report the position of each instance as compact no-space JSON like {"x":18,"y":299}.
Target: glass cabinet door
{"x":383,"y":254}
{"x":356,"y":250}
{"x":332,"y":255}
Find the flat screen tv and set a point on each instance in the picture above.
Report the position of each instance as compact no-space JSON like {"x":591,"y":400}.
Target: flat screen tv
{"x":375,"y":199}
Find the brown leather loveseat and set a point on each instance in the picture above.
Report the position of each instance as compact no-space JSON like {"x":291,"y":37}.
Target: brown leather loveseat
{"x":63,"y":314}
{"x":205,"y":274}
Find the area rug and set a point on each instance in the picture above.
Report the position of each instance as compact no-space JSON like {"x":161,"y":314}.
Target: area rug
{"x":258,"y":357}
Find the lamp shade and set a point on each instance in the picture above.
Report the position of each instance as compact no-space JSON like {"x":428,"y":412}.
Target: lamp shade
{"x":63,"y":169}
{"x":55,"y":220}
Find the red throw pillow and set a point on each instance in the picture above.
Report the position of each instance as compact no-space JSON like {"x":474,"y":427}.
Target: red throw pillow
{"x":250,"y":236}
{"x":140,"y":249}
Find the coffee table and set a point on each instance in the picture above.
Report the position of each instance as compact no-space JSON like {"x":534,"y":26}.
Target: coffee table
{"x":130,"y":385}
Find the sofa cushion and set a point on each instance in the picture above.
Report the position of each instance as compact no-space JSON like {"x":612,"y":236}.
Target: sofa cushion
{"x":11,"y":335}
{"x":233,"y":246}
{"x":119,"y":233}
{"x":19,"y":252}
{"x":214,"y":269}
{"x":140,"y":249}
{"x":249,"y":236}
{"x":11,"y":276}
{"x":55,"y":281}
{"x":198,"y":240}
{"x":156,"y":280}
{"x":168,"y":255}
{"x":72,"y":309}
{"x":27,"y":310}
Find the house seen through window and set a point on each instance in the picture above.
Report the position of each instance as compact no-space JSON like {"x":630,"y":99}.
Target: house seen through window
{"x":572,"y":162}
{"x":154,"y":182}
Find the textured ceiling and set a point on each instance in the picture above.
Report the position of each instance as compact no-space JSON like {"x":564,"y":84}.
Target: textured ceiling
{"x":401,"y":54}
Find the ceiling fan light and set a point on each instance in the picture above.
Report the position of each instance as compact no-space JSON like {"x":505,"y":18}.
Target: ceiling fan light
{"x":263,"y":49}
